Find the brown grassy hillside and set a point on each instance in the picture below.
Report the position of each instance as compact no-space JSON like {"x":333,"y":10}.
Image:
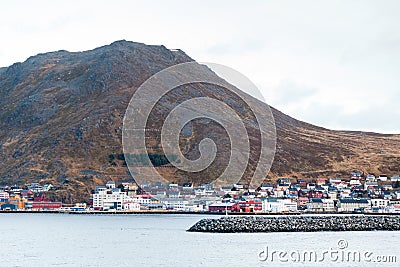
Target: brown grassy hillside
{"x":61,"y":120}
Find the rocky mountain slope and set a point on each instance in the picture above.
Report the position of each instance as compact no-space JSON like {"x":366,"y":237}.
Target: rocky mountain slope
{"x":61,"y":120}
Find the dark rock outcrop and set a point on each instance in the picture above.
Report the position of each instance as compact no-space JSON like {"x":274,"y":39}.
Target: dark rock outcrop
{"x":253,"y":224}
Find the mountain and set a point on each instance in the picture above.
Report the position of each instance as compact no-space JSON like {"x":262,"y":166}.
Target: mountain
{"x":61,"y":123}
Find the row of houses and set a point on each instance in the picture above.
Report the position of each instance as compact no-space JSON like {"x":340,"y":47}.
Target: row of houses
{"x":315,"y":200}
{"x":357,"y":185}
{"x":358,"y":192}
{"x":109,"y":197}
{"x":30,"y":202}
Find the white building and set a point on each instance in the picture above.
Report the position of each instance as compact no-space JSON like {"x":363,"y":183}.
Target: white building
{"x":345,"y":192}
{"x":197,"y":207}
{"x":143,"y":200}
{"x":342,"y":185}
{"x":311,"y":186}
{"x":173,"y":186}
{"x":279,"y":193}
{"x":105,"y":198}
{"x":395,"y":178}
{"x":335,"y":181}
{"x":370,"y":184}
{"x":321,"y":205}
{"x":355,"y":182}
{"x":332,"y":195}
{"x":315,"y":205}
{"x":379,"y":203}
{"x":328,"y":205}
{"x":267,"y":187}
{"x":382,"y":178}
{"x":263,"y":193}
{"x":187,"y":186}
{"x":202,"y":192}
{"x":352,"y":204}
{"x":176,"y":204}
{"x":277,"y":205}
{"x":4,"y":195}
{"x":394,"y":206}
{"x":131,"y":206}
{"x":284,"y":181}
{"x":110,"y":185}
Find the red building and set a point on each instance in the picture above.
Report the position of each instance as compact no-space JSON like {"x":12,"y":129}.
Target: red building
{"x":302,"y":182}
{"x":315,"y":194}
{"x":250,"y":205}
{"x":222,"y":207}
{"x":42,"y":203}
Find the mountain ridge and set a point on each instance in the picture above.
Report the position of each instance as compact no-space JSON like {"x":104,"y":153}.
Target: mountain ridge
{"x":62,"y":112}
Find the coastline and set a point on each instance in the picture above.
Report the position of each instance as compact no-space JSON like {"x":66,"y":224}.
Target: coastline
{"x":230,"y":214}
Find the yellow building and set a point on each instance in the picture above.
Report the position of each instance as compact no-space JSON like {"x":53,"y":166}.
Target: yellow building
{"x":17,"y":201}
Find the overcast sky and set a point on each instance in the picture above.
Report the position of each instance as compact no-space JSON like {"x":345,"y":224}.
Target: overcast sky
{"x":331,"y":63}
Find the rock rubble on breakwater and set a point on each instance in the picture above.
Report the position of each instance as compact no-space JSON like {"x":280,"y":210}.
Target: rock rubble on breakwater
{"x":253,"y":224}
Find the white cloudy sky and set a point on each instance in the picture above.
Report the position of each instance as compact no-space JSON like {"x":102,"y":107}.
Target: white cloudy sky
{"x":331,"y":63}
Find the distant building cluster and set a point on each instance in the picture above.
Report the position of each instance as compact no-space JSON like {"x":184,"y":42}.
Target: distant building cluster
{"x":355,"y":193}
{"x":30,"y":198}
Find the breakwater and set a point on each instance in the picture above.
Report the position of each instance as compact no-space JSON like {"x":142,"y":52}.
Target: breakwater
{"x":254,"y":224}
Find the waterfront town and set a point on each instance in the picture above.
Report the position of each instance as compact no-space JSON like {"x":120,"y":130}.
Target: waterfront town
{"x":358,"y":193}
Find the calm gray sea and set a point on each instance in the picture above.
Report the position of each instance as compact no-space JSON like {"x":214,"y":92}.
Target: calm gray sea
{"x":162,"y":240}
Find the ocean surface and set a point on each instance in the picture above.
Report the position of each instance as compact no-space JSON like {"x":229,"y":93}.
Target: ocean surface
{"x":162,"y":240}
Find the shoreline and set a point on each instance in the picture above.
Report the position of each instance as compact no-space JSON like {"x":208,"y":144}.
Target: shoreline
{"x":231,"y":214}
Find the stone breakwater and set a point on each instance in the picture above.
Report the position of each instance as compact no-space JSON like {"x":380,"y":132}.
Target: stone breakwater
{"x":253,"y":224}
